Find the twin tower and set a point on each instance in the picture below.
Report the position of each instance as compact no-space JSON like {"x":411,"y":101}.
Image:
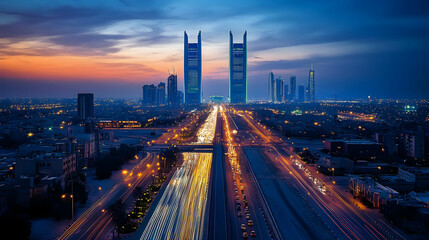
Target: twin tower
{"x":237,"y":70}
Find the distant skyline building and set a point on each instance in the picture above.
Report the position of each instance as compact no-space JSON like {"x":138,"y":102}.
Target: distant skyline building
{"x":279,"y":90}
{"x":237,"y":70}
{"x":85,"y":105}
{"x":172,"y":89}
{"x":180,"y":97}
{"x":285,"y":93}
{"x":301,"y":93}
{"x":160,"y":94}
{"x":216,"y":99}
{"x":149,"y":94}
{"x":292,"y":91}
{"x":311,"y":96}
{"x":271,"y":87}
{"x":193,"y":70}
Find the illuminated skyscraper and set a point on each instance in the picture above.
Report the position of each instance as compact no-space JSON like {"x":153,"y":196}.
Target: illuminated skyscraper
{"x":271,"y":87}
{"x":85,"y":105}
{"x":311,"y":93}
{"x":193,"y":70}
{"x":160,"y":94}
{"x":292,"y":91}
{"x":172,"y":89}
{"x":237,"y":70}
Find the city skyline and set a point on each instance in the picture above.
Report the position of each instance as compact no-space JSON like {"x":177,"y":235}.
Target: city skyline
{"x":135,"y":45}
{"x":126,"y":119}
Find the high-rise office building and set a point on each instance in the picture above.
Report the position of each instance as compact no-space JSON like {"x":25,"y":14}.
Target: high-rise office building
{"x":149,"y":94}
{"x":311,"y":96}
{"x":271,"y":87}
{"x":279,"y":90}
{"x":193,"y":70}
{"x":237,"y":70}
{"x":172,"y":89}
{"x":85,"y":105}
{"x":292,"y":91}
{"x":286,"y":93}
{"x":180,"y":97}
{"x":160,"y":94}
{"x":301,"y":93}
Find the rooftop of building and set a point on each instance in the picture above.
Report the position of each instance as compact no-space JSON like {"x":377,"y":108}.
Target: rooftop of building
{"x":416,"y":170}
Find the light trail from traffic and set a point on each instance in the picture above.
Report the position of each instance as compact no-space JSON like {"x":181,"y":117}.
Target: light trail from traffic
{"x":94,"y":220}
{"x":343,"y":215}
{"x":180,"y":213}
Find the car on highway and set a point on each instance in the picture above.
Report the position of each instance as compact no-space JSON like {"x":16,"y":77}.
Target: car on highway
{"x":239,"y":214}
{"x":245,"y":235}
{"x":243,"y":227}
{"x":238,"y":208}
{"x":250,"y":222}
{"x":253,"y":233}
{"x":247,"y":216}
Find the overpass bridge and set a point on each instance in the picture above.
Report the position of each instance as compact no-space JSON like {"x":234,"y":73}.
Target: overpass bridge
{"x":181,"y":147}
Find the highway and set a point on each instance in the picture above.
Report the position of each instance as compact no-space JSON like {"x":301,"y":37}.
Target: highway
{"x":180,"y":213}
{"x":345,"y":220}
{"x":217,"y":221}
{"x":181,"y":209}
{"x":245,"y":202}
{"x":96,"y":221}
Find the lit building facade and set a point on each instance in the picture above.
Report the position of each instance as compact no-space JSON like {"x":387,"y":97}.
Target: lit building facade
{"x":279,"y":90}
{"x":271,"y":87}
{"x":311,"y":96}
{"x":193,"y":71}
{"x":237,"y":70}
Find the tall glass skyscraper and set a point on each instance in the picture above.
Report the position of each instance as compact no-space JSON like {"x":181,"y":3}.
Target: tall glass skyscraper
{"x":193,"y":70}
{"x":85,"y":105}
{"x":271,"y":87}
{"x":160,"y":94}
{"x":172,"y":89}
{"x":292,"y":91}
{"x":149,"y":94}
{"x":311,"y":93}
{"x":237,"y":70}
{"x":301,"y":93}
{"x":279,"y":90}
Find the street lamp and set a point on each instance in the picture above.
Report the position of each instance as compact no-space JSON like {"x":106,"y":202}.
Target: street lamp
{"x":72,"y":205}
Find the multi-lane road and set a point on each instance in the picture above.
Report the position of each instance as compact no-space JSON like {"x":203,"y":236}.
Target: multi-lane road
{"x":248,"y":186}
{"x":96,"y":221}
{"x":180,"y":213}
{"x":343,"y":219}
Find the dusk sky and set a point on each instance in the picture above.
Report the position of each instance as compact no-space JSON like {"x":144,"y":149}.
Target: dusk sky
{"x":358,"y":48}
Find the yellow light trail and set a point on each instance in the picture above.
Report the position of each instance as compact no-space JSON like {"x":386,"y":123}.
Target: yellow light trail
{"x":181,"y":209}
